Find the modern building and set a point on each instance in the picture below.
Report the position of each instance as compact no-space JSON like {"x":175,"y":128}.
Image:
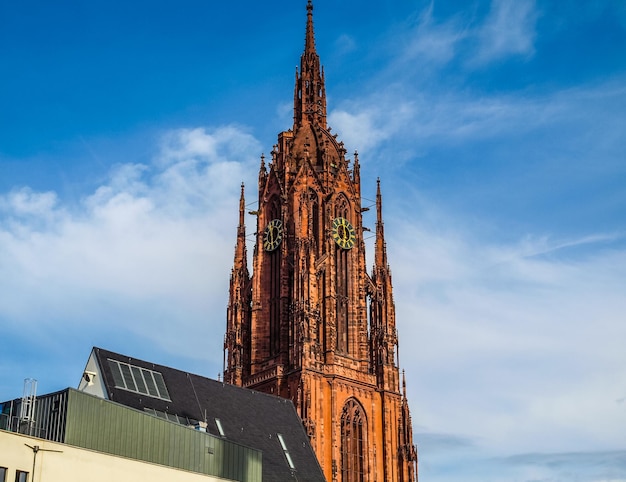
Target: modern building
{"x":159,"y":415}
{"x":310,"y":324}
{"x":30,"y":459}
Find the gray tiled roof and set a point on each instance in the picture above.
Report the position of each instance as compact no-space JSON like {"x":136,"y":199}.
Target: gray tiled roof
{"x":247,"y":417}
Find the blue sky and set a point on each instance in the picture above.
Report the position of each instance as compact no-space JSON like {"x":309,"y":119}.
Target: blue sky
{"x":498,"y":131}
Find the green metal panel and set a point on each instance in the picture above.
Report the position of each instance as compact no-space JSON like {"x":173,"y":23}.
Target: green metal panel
{"x":105,"y":426}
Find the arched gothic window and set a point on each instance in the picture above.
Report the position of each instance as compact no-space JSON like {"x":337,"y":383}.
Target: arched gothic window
{"x":274,"y":289}
{"x":315,"y":218}
{"x":353,"y":442}
{"x":342,"y":282}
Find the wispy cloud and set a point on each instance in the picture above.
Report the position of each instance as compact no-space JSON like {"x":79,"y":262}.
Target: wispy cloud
{"x":509,"y":29}
{"x":373,"y":125}
{"x":467,"y":38}
{"x":575,"y":466}
{"x":25,"y":202}
{"x":537,"y":338}
{"x":345,"y":44}
{"x":524,"y":326}
{"x":405,"y":116}
{"x":431,"y":41}
{"x":444,"y":442}
{"x":528,"y":356}
{"x":529,"y":467}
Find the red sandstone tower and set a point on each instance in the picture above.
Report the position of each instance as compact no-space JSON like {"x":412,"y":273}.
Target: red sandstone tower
{"x":300,"y":326}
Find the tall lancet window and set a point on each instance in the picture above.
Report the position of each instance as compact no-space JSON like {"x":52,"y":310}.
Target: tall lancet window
{"x":315,"y":219}
{"x":353,"y":442}
{"x":342,"y":282}
{"x":274,"y":284}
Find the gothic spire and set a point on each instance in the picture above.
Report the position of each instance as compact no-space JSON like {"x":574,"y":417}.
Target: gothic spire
{"x":310,"y":92}
{"x":240,"y":249}
{"x":380,"y":259}
{"x":382,"y":309}
{"x":237,"y":317}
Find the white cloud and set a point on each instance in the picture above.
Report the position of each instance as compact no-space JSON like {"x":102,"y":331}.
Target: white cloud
{"x":345,"y":44}
{"x":508,"y":30}
{"x":432,"y":41}
{"x":514,"y":349}
{"x":534,"y":134}
{"x":224,"y":144}
{"x":143,"y":254}
{"x":26,"y":202}
{"x":370,"y":125}
{"x":359,"y":129}
{"x":511,"y":340}
{"x":423,"y":47}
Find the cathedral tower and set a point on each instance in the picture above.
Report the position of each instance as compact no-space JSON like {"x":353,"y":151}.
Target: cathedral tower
{"x":311,"y":324}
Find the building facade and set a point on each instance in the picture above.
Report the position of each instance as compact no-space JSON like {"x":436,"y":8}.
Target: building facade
{"x":154,"y":414}
{"x":25,"y":459}
{"x":85,"y":437}
{"x":310,"y":323}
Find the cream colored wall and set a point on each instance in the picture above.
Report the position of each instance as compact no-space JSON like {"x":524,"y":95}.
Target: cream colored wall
{"x":73,"y":464}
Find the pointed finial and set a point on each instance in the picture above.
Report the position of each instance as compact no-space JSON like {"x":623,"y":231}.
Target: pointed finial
{"x":356,"y":169}
{"x":262,"y":170}
{"x":242,"y":206}
{"x":310,"y":35}
{"x":309,"y":92}
{"x":379,"y":202}
{"x":380,"y":256}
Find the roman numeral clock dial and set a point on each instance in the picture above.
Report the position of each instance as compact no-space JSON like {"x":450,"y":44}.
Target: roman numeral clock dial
{"x":273,"y":235}
{"x":343,"y":233}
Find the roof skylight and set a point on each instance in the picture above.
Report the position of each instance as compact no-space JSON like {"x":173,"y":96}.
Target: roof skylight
{"x":220,"y":429}
{"x":138,"y":380}
{"x":287,"y":456}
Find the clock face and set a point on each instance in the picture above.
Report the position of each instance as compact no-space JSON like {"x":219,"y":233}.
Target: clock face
{"x":273,"y":235}
{"x":343,"y":233}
